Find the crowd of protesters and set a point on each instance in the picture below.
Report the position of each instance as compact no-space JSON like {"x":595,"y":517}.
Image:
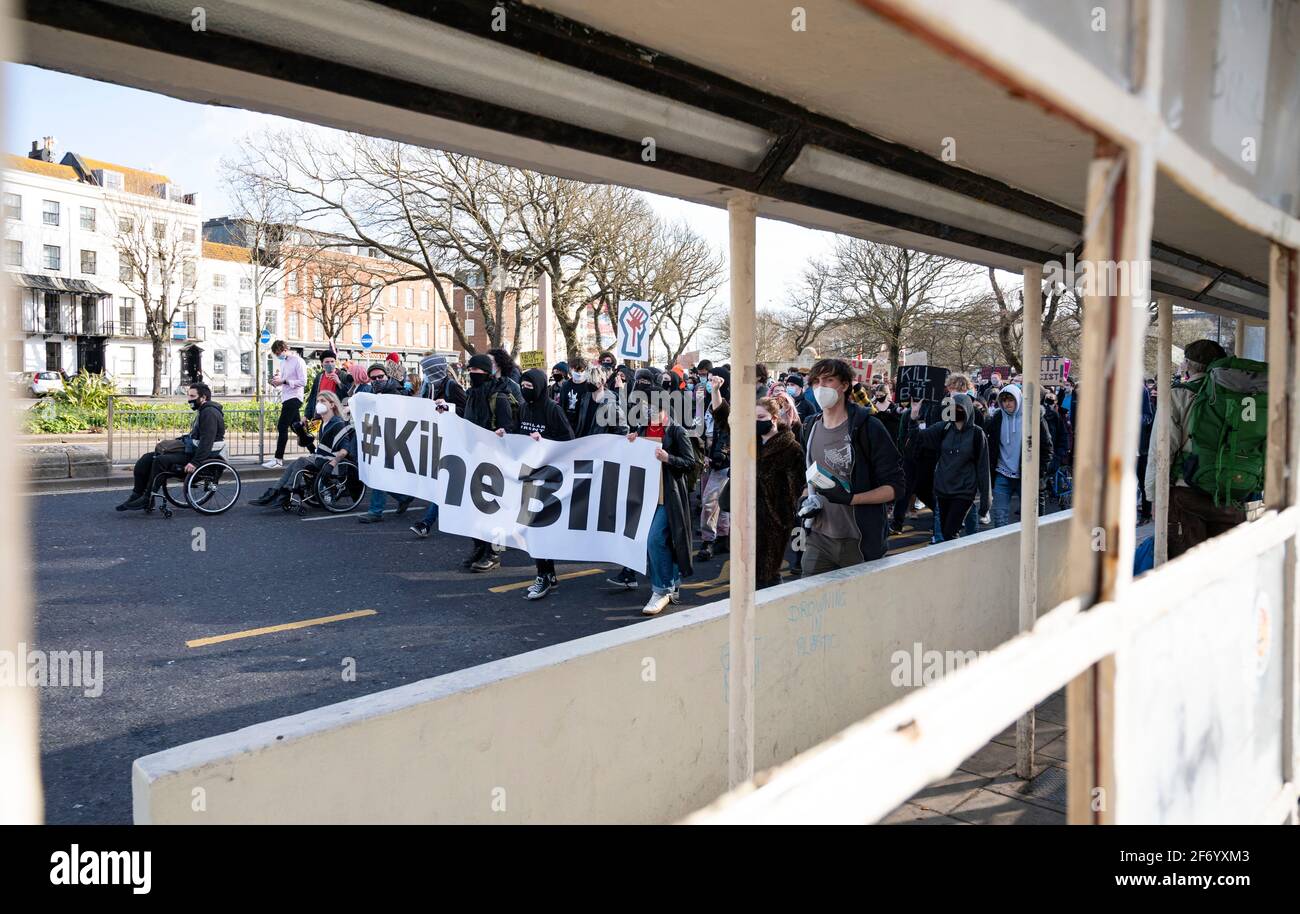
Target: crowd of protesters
{"x":841,"y":464}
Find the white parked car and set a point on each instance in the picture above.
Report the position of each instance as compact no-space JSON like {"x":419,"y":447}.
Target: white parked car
{"x":45,"y":383}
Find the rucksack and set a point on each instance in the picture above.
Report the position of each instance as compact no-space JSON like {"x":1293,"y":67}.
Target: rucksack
{"x":492,"y":407}
{"x":1227,"y":431}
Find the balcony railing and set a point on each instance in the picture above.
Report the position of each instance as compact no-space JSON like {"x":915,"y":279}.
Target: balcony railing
{"x":124,"y":328}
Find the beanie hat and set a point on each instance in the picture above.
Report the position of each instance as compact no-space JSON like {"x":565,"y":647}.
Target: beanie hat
{"x":1204,"y":352}
{"x":481,"y":362}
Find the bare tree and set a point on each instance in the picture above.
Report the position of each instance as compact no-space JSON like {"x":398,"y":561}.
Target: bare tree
{"x":1061,"y":324}
{"x":160,"y":266}
{"x":882,"y":293}
{"x":338,"y":292}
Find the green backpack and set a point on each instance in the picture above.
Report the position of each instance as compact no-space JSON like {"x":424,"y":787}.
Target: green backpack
{"x":1227,"y":431}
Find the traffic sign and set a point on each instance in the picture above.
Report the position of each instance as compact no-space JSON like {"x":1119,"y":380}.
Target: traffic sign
{"x":367,"y":341}
{"x":265,"y":337}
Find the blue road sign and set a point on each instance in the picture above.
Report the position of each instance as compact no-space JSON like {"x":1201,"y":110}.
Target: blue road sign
{"x":265,"y":337}
{"x":367,"y":341}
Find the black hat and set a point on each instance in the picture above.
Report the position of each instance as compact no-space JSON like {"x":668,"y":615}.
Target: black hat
{"x":1203,"y":352}
{"x":794,"y":378}
{"x":481,"y":362}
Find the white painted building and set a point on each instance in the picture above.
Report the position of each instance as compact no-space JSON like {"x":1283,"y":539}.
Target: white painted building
{"x":227,"y":334}
{"x":69,"y":308}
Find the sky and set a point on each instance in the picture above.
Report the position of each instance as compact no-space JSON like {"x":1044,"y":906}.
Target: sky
{"x":187,"y":141}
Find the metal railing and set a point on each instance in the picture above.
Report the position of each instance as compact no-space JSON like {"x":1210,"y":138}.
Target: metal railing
{"x":133,"y":429}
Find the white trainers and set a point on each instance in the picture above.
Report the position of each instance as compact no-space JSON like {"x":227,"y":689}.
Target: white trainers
{"x":658,"y":601}
{"x":274,"y":464}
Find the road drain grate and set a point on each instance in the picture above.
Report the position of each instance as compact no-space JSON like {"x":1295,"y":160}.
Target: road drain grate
{"x":1049,"y":787}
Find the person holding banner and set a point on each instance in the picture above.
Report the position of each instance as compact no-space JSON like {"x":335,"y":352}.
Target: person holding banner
{"x":440,"y":386}
{"x":669,"y":545}
{"x":490,"y":405}
{"x":541,"y":417}
{"x":380,"y":381}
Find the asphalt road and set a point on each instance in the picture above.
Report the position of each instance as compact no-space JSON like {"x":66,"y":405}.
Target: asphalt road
{"x":134,"y":587}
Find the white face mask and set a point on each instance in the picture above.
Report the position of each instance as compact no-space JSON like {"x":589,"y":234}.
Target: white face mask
{"x":579,"y":377}
{"x":322,"y":409}
{"x":826,"y":397}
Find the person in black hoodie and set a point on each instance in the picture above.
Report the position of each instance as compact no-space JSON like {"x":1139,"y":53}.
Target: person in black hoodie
{"x":715,"y":523}
{"x":559,"y":375}
{"x":440,"y":386}
{"x":669,"y":542}
{"x":865,"y":474}
{"x":488,"y":405}
{"x":541,"y":417}
{"x":208,"y":428}
{"x":961,"y":473}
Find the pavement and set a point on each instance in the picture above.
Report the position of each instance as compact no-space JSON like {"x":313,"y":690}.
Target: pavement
{"x":209,"y":624}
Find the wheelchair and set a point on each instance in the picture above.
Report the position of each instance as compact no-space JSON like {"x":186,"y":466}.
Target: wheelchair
{"x":1061,"y":486}
{"x":213,"y":487}
{"x":338,"y":492}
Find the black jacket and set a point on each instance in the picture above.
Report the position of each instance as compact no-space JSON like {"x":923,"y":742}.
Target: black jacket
{"x":543,"y":415}
{"x":876,"y":462}
{"x":345,"y":389}
{"x":682,"y":463}
{"x":209,"y":427}
{"x":720,"y":447}
{"x":993,"y":429}
{"x":488,"y":406}
{"x":779,"y":479}
{"x":448,"y":389}
{"x":593,"y":418}
{"x":962,"y":469}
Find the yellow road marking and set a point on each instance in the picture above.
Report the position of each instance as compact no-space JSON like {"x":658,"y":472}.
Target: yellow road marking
{"x":217,"y":639}
{"x":520,"y":585}
{"x":723,"y":576}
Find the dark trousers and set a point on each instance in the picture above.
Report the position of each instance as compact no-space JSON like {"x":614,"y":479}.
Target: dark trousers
{"x":1144,"y":497}
{"x":545,"y":567}
{"x":290,"y":412}
{"x":1193,"y":518}
{"x":952,"y":514}
{"x":151,"y":464}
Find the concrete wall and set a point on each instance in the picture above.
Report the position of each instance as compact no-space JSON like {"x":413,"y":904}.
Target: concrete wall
{"x":625,"y":726}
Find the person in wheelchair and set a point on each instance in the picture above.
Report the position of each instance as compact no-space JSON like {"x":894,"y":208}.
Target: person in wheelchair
{"x":337,"y":442}
{"x":205,"y":438}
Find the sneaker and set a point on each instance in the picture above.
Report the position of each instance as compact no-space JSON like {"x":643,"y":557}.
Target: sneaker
{"x":420,"y":529}
{"x":489,"y":562}
{"x":543,"y":585}
{"x":369,"y":518}
{"x":134,"y":503}
{"x":475,"y":555}
{"x":705,"y":553}
{"x":676,"y":595}
{"x":625,"y":579}
{"x":658,"y":602}
{"x":266,"y":497}
{"x":403,"y":505}
{"x":274,"y":464}
{"x":722,"y":544}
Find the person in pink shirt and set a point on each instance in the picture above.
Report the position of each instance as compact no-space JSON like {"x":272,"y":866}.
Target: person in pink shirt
{"x":291,"y":381}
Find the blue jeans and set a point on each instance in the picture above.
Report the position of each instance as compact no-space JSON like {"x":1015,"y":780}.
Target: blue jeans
{"x":662,"y":568}
{"x":969,"y":528}
{"x":379,"y":499}
{"x":430,"y":514}
{"x":1003,"y":488}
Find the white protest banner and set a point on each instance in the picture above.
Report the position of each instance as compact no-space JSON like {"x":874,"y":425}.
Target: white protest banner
{"x":1054,"y":370}
{"x":633,"y":331}
{"x":591,"y":499}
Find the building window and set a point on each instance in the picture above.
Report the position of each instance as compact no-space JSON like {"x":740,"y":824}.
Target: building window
{"x":13,"y":253}
{"x":218,"y":281}
{"x":126,"y":225}
{"x":410,"y":333}
{"x":269,"y":325}
{"x":291,"y":283}
{"x":189,"y":276}
{"x":219,"y":362}
{"x":187,"y":235}
{"x":245,"y":284}
{"x":88,"y":218}
{"x":469,"y":303}
{"x":424,"y":335}
{"x":126,"y":314}
{"x":123,"y":269}
{"x":424,"y":300}
{"x":88,"y":259}
{"x":50,"y":212}
{"x":293,"y":325}
{"x":245,"y":320}
{"x":218,"y":318}
{"x":124,"y":366}
{"x":469,"y":327}
{"x":13,"y":206}
{"x":53,"y":257}
{"x":356,"y":330}
{"x":246,"y":363}
{"x":159,"y":230}
{"x":410,"y":298}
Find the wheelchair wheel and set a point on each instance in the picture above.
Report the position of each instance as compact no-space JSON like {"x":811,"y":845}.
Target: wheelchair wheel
{"x":212,"y":488}
{"x":340,"y":492}
{"x":173,"y":489}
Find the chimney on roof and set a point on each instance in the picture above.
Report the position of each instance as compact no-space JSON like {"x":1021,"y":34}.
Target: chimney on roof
{"x":42,"y":149}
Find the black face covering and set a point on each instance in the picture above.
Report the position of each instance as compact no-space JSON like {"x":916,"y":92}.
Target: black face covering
{"x":477,"y":379}
{"x":764,"y":426}
{"x":194,"y":404}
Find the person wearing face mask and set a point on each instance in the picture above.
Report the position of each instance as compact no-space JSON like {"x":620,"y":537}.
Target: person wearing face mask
{"x":805,"y":400}
{"x":187,"y":451}
{"x":575,"y":392}
{"x":382,"y":382}
{"x":331,"y":377}
{"x":599,"y":410}
{"x":336,"y":441}
{"x":865,"y":474}
{"x":290,"y":379}
{"x":1005,"y":430}
{"x":440,"y":386}
{"x":541,"y":418}
{"x":961,"y":473}
{"x":715,"y":523}
{"x":490,"y":404}
{"x":559,"y":374}
{"x":779,"y":479}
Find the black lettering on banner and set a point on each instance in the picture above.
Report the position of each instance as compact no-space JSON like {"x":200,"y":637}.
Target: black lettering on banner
{"x":607,"y":516}
{"x":395,"y":444}
{"x":423,"y":467}
{"x":488,"y":480}
{"x":540,"y":485}
{"x":579,"y":500}
{"x":635,"y":491}
{"x":455,"y":467}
